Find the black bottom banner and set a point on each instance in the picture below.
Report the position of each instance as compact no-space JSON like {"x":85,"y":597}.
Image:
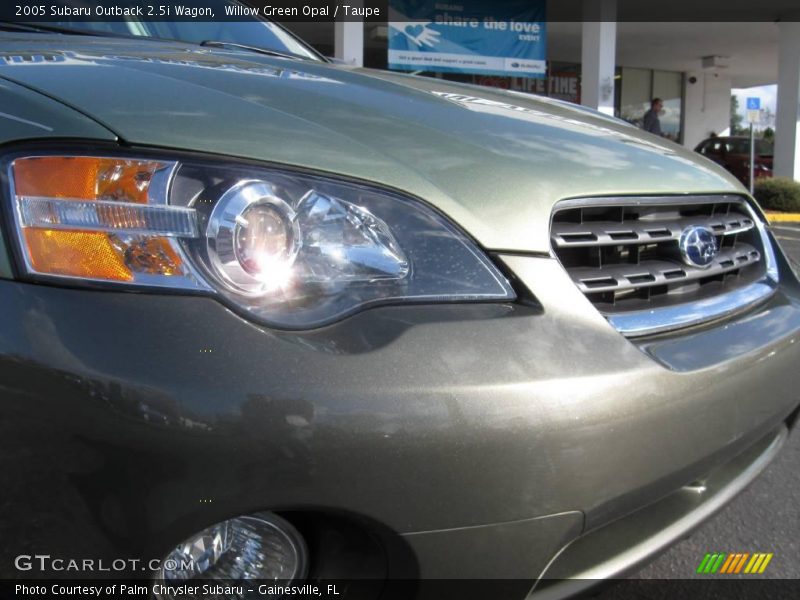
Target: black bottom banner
{"x":460,"y":589}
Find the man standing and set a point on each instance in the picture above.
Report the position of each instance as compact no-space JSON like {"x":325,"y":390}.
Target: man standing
{"x":651,"y":124}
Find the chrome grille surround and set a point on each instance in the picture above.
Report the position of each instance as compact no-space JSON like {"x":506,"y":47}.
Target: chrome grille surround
{"x":623,"y":254}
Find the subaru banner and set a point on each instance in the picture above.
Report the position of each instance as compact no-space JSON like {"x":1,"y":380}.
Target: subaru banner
{"x":468,"y":36}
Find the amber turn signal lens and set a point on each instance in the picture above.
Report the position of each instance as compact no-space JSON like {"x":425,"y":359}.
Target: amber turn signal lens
{"x":84,"y":178}
{"x":153,"y":256}
{"x":88,"y":254}
{"x":93,"y":218}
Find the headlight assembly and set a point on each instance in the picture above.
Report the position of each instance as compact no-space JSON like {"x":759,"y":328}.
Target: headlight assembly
{"x":292,"y":250}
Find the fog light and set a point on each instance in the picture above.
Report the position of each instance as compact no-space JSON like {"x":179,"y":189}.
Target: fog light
{"x":259,"y":546}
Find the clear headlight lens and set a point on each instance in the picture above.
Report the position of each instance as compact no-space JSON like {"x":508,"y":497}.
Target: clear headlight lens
{"x":291,"y":250}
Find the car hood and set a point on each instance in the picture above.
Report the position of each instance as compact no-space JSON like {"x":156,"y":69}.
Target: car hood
{"x":495,"y":161}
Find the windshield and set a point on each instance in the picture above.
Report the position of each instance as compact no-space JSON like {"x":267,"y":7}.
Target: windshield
{"x":248,"y":32}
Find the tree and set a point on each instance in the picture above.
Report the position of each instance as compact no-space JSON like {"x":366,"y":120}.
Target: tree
{"x":767,"y":117}
{"x":736,"y":118}
{"x":769,"y":134}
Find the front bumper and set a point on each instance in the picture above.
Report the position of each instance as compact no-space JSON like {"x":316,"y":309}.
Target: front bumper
{"x":613,"y":550}
{"x":462,"y":440}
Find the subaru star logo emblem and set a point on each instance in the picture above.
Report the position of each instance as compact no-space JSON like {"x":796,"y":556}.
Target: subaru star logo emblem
{"x":698,"y":246}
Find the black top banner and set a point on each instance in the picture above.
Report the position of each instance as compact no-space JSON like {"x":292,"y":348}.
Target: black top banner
{"x":65,"y":11}
{"x":49,"y":11}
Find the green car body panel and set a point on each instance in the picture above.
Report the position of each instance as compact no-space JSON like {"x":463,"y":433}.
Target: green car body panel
{"x":495,"y":164}
{"x":467,"y":440}
{"x":36,"y":116}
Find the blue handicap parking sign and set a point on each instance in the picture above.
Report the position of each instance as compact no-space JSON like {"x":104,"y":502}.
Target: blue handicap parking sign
{"x":754,"y":104}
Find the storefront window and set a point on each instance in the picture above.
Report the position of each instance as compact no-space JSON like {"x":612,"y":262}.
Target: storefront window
{"x":562,"y":81}
{"x":668,"y":86}
{"x":633,"y":88}
{"x":635,"y":94}
{"x":637,"y":87}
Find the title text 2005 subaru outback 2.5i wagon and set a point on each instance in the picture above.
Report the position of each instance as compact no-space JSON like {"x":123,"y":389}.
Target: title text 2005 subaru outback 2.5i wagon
{"x":276,"y":318}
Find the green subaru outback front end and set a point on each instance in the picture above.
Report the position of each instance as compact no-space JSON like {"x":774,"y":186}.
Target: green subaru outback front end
{"x":270,"y":318}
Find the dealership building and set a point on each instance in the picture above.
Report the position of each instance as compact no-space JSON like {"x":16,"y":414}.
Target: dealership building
{"x":626,"y":52}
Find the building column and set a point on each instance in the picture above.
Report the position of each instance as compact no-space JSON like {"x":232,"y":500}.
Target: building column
{"x":706,"y":105}
{"x":598,"y":54}
{"x":349,"y":39}
{"x":787,"y":119}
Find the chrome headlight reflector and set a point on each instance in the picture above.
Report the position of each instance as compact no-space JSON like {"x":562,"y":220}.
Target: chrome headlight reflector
{"x":252,"y":239}
{"x":289,"y":249}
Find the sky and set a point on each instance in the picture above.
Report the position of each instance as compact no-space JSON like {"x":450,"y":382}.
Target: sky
{"x":767,"y":93}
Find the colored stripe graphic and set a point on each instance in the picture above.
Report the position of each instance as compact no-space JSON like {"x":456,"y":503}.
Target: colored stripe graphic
{"x":727,"y":564}
{"x":730,"y":564}
{"x":718,"y":564}
{"x":754,"y":563}
{"x":737,"y":559}
{"x":724,"y":563}
{"x":741,"y":562}
{"x":711,"y":562}
{"x":703,"y":563}
{"x":766,"y":562}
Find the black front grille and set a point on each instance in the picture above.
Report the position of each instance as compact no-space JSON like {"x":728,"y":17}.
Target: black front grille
{"x":624,"y":253}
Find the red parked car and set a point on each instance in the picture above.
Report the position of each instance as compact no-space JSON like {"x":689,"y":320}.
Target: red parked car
{"x":733,"y":153}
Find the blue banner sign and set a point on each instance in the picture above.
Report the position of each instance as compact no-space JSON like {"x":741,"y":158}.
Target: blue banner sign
{"x":468,"y":36}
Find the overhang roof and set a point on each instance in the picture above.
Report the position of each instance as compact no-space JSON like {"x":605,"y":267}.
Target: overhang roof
{"x":672,"y":35}
{"x":749,"y":49}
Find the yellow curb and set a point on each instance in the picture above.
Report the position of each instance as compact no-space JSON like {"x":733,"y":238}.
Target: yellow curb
{"x":783,"y":217}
